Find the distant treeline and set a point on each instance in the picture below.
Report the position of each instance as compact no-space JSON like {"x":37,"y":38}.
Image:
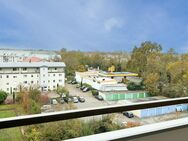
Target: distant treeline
{"x":163,"y":73}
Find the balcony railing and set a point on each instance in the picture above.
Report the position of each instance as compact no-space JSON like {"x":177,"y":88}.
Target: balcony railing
{"x":131,"y":133}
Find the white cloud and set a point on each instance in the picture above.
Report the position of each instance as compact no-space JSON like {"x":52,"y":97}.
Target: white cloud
{"x":111,"y":23}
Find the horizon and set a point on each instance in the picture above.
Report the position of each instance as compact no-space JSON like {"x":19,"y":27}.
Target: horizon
{"x":90,"y":26}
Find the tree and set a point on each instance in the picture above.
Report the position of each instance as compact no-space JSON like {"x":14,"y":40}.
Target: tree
{"x":3,"y":96}
{"x":30,"y":100}
{"x":139,"y":57}
{"x":62,"y":90}
{"x":151,"y":83}
{"x":63,"y":130}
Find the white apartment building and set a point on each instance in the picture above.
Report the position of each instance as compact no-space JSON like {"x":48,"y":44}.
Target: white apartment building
{"x":46,"y":75}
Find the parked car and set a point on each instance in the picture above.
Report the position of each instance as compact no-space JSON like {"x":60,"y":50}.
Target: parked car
{"x":73,"y":82}
{"x":75,"y":99}
{"x":61,"y":100}
{"x":78,"y":86}
{"x":69,"y":82}
{"x":54,"y":101}
{"x":67,"y":99}
{"x":128,"y":114}
{"x":81,"y":99}
{"x":85,"y":89}
{"x":99,"y":97}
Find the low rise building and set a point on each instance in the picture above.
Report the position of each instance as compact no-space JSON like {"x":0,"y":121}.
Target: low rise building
{"x":118,"y":76}
{"x":92,"y":78}
{"x":120,"y":94}
{"x":157,"y":111}
{"x":46,"y":75}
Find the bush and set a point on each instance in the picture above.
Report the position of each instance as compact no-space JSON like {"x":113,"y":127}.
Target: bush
{"x":3,"y":96}
{"x":34,"y":94}
{"x":44,"y":99}
{"x":133,"y":86}
{"x":87,"y":85}
{"x":30,"y":100}
{"x":94,"y":92}
{"x":9,"y":101}
{"x":62,"y":90}
{"x":34,"y":107}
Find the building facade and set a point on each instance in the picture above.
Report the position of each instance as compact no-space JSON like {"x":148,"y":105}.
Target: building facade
{"x":157,"y":111}
{"x":92,"y":78}
{"x":123,"y":95}
{"x":45,"y":75}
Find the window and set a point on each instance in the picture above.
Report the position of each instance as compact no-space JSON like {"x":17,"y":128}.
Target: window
{"x":54,"y":87}
{"x":60,"y":80}
{"x":1,"y":76}
{"x":60,"y":74}
{"x":31,"y":82}
{"x":48,"y":81}
{"x":0,"y":69}
{"x":31,"y":75}
{"x":15,"y":89}
{"x":24,"y":69}
{"x":53,"y":74}
{"x":7,"y":76}
{"x":7,"y":89}
{"x":53,"y":80}
{"x":55,"y":68}
{"x":25,"y":82}
{"x":49,"y":75}
{"x":14,"y":76}
{"x":14,"y":69}
{"x":25,"y":75}
{"x":43,"y":75}
{"x":7,"y":83}
{"x":43,"y":81}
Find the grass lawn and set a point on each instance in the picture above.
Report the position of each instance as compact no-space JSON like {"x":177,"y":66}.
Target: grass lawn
{"x":11,"y":134}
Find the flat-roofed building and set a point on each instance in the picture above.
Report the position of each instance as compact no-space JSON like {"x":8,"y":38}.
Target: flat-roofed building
{"x":118,"y":76}
{"x":156,"y":111}
{"x":92,"y":78}
{"x":46,"y":75}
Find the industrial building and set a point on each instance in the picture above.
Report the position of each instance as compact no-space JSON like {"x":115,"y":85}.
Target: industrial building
{"x":123,"y":95}
{"x":92,"y":78}
{"x":118,"y":76}
{"x":157,"y":111}
{"x":46,"y":75}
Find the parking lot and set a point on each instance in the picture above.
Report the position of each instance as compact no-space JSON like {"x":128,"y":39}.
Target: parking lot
{"x":93,"y":102}
{"x":90,"y":101}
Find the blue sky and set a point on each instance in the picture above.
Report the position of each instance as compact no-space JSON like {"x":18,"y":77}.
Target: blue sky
{"x":93,"y":25}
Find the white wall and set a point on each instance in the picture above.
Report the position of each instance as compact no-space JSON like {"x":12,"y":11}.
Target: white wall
{"x":10,"y":79}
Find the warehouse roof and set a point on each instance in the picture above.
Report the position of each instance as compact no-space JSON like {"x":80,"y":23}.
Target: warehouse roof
{"x":31,"y":64}
{"x":123,"y":92}
{"x":148,"y":99}
{"x":117,"y":74}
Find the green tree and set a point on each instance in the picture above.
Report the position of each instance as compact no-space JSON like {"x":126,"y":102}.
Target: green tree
{"x":3,"y":96}
{"x":139,"y":57}
{"x":62,"y":90}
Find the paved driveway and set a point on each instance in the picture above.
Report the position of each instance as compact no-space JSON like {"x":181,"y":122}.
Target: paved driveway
{"x":90,"y":100}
